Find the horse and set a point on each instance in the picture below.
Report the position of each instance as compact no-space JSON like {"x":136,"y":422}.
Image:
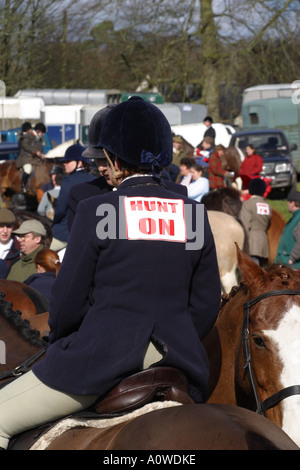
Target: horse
{"x":231,"y":160}
{"x":274,"y":233}
{"x":23,"y":298}
{"x":226,"y":230}
{"x":158,"y":425}
{"x":228,"y":200}
{"x":26,"y":345}
{"x":253,"y":348}
{"x":10,"y":179}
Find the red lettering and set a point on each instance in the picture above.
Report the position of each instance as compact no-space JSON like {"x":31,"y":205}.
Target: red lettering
{"x":173,"y":206}
{"x":150,"y":205}
{"x":136,"y":205}
{"x":166,"y":226}
{"x":162,"y":206}
{"x":147,"y":226}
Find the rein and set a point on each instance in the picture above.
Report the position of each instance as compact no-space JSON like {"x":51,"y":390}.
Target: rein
{"x":276,"y":398}
{"x":25,"y":367}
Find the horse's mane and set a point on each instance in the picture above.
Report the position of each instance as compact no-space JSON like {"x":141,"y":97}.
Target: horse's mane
{"x":277,"y":276}
{"x":21,"y":325}
{"x":226,"y":297}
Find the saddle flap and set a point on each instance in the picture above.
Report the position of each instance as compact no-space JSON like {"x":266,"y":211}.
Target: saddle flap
{"x":153,"y":384}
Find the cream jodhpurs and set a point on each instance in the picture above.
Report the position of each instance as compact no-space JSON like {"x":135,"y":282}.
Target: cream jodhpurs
{"x":27,"y":168}
{"x":26,"y":403}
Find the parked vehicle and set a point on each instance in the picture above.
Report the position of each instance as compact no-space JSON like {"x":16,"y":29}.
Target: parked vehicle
{"x":274,"y":107}
{"x":273,"y":147}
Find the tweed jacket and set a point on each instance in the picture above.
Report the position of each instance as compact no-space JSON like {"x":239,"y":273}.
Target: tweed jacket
{"x":216,"y":172}
{"x":255,"y":216}
{"x":29,"y":144}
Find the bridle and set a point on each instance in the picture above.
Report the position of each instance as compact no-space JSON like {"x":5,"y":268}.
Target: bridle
{"x":276,"y":398}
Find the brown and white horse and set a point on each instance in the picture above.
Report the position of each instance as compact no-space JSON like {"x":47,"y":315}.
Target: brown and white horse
{"x":254,"y":347}
{"x":156,"y":426}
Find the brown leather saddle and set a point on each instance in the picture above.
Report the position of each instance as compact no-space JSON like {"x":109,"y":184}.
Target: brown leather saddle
{"x":148,"y":386}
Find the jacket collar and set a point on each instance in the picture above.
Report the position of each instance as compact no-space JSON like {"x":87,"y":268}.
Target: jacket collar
{"x":140,"y":180}
{"x":28,"y":258}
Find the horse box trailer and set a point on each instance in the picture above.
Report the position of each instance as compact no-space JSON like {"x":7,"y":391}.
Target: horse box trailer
{"x":274,"y":106}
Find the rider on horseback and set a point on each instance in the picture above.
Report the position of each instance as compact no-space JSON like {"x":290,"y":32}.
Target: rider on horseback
{"x":31,"y":150}
{"x":121,"y":286}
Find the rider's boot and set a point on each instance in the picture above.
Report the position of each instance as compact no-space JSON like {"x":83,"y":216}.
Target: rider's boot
{"x":24,"y":180}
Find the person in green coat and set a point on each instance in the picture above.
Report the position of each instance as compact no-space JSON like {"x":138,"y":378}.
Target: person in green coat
{"x":288,"y":251}
{"x":31,"y":235}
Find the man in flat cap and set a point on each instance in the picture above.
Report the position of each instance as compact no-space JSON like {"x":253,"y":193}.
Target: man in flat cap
{"x":31,"y":235}
{"x":288,"y":251}
{"x":9,"y":246}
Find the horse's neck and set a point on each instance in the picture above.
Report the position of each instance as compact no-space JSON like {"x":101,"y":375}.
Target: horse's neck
{"x":230,"y":317}
{"x":14,"y":348}
{"x":222,"y":345}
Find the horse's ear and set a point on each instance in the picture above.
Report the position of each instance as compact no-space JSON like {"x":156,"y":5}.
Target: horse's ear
{"x":249,"y":269}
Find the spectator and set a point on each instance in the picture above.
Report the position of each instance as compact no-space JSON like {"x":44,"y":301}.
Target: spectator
{"x":31,"y":235}
{"x":288,"y":251}
{"x":47,"y":205}
{"x":178,"y":152}
{"x":251,"y":166}
{"x":255,"y":216}
{"x":75,"y":166}
{"x":199,"y":185}
{"x":47,"y":265}
{"x":9,"y":246}
{"x":216,"y":172}
{"x":186,"y":164}
{"x":209,"y":132}
{"x":55,"y":170}
{"x":205,"y":151}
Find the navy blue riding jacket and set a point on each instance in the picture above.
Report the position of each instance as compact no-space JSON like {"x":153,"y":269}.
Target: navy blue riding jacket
{"x":60,"y":225}
{"x":114,"y":293}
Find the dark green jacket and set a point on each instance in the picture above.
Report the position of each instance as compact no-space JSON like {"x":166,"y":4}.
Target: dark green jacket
{"x":23,"y":268}
{"x":287,"y":242}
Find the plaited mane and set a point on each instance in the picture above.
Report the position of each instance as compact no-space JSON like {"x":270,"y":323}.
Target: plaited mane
{"x":20,"y":324}
{"x":276,"y":277}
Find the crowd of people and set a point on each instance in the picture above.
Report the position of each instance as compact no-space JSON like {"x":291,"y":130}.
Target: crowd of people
{"x":111,"y":297}
{"x":206,"y":171}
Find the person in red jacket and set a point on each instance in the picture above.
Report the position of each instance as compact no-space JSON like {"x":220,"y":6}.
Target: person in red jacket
{"x":217,"y":175}
{"x":251,"y":166}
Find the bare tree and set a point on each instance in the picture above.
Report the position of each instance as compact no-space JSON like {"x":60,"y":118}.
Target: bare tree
{"x":172,"y":45}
